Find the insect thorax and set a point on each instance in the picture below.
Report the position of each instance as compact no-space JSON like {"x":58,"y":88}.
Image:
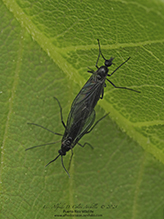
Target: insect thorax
{"x":102,"y":72}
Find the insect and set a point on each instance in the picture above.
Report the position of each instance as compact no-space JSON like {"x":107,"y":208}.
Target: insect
{"x":93,"y":90}
{"x":80,"y":122}
{"x":82,"y":114}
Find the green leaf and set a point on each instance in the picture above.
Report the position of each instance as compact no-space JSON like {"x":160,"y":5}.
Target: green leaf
{"x":46,"y":49}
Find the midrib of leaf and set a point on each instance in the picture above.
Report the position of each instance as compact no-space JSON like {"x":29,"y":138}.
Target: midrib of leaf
{"x":55,"y":53}
{"x":130,"y":130}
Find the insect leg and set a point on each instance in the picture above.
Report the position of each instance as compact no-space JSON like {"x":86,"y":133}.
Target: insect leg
{"x":122,"y":87}
{"x":118,"y":67}
{"x":102,"y":93}
{"x":41,"y":145}
{"x":85,"y":144}
{"x":91,"y":70}
{"x":61,"y":115}
{"x":44,"y":128}
{"x":96,"y":123}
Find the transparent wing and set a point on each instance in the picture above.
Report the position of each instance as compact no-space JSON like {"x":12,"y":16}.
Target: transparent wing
{"x":86,"y":126}
{"x":77,"y":118}
{"x":81,"y":113}
{"x":85,"y":101}
{"x":79,"y":126}
{"x":92,"y":88}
